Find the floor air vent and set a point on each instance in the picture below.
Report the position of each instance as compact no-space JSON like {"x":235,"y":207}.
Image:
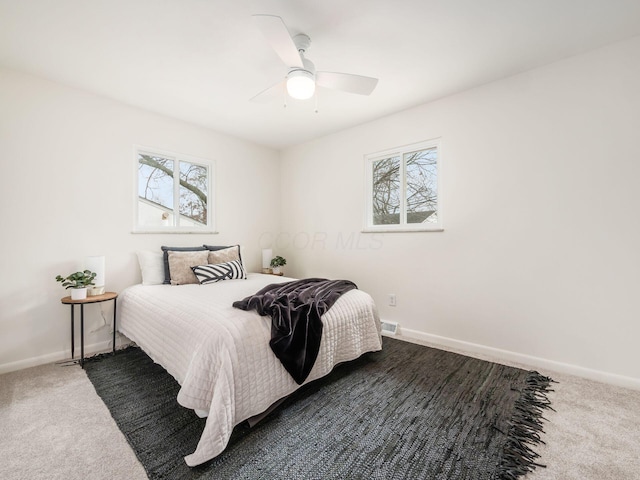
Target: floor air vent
{"x":389,"y":328}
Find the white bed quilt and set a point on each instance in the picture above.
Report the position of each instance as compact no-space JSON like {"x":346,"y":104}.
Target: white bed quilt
{"x":220,"y":355}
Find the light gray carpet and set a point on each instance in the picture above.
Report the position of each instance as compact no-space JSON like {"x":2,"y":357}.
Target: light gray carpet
{"x":594,"y":433}
{"x":55,"y":426}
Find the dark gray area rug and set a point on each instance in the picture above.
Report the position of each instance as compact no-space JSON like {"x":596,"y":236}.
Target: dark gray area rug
{"x":407,"y":412}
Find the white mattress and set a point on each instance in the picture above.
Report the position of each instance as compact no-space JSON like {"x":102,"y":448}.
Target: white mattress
{"x":220,"y":355}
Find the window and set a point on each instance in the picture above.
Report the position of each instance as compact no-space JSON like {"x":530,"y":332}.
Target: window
{"x":403,"y":189}
{"x":173,"y":193}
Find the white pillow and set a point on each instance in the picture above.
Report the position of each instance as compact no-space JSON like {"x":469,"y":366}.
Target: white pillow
{"x":151,"y":267}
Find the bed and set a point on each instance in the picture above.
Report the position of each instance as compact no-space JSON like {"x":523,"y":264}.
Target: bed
{"x":220,"y":355}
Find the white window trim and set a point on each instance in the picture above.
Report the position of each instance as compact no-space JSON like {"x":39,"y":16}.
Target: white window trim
{"x":370,"y":158}
{"x":210,"y":164}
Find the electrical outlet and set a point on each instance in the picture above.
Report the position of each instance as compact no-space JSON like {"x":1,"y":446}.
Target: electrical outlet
{"x":392,"y":299}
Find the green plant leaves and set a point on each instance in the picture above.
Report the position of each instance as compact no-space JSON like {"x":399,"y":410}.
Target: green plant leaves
{"x":77,"y":279}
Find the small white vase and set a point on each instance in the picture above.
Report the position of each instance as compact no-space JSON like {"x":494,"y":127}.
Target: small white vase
{"x":95,"y":291}
{"x":275,"y":270}
{"x":79,"y":293}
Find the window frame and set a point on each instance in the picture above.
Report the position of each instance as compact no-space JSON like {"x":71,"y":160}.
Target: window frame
{"x":209,"y":228}
{"x":371,"y":158}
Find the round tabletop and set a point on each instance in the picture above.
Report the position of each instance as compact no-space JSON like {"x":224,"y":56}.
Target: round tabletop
{"x":91,"y":299}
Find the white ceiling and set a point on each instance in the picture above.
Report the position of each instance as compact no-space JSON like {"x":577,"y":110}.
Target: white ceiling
{"x":201,"y":60}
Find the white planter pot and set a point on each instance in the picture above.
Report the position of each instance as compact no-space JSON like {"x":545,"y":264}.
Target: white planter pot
{"x":275,"y":270}
{"x":78,"y":293}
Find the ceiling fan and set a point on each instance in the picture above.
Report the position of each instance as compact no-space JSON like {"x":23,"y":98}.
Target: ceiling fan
{"x":302,"y":78}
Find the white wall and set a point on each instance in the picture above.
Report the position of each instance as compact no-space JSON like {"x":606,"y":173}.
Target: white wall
{"x":541,"y":249}
{"x":67,"y":192}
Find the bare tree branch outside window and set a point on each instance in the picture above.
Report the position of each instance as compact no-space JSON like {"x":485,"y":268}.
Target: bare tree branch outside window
{"x":420,"y":187}
{"x":386,"y":191}
{"x":156,"y":185}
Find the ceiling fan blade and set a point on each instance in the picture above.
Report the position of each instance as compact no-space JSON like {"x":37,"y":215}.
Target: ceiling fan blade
{"x":276,"y":33}
{"x":346,"y":82}
{"x":270,"y":93}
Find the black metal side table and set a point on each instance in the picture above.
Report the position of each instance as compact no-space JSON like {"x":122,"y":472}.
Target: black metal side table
{"x":94,"y":299}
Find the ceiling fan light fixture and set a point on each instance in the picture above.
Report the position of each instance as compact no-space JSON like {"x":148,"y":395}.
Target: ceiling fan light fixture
{"x":302,"y":78}
{"x":301,"y":84}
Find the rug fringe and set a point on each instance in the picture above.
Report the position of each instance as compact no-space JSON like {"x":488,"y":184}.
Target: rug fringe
{"x":525,"y":427}
{"x":101,"y":356}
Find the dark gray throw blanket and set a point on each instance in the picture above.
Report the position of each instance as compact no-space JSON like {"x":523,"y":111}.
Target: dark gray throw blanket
{"x":295,"y":309}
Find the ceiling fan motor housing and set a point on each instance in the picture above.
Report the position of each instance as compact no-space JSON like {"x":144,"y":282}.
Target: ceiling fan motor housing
{"x":302,"y":42}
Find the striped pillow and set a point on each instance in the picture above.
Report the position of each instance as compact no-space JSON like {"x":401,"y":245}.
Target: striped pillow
{"x":221,"y":271}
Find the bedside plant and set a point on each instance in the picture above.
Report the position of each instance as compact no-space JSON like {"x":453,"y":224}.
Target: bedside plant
{"x":276,"y":263}
{"x":78,"y":283}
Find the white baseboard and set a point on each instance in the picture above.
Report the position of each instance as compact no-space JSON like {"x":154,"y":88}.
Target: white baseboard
{"x":506,"y":356}
{"x":92,"y":349}
{"x":472,"y":349}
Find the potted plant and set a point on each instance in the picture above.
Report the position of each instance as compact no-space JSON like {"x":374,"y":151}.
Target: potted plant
{"x":78,"y":283}
{"x":276,"y":263}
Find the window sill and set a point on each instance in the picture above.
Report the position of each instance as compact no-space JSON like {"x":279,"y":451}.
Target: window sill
{"x":401,"y":230}
{"x":188,"y":232}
